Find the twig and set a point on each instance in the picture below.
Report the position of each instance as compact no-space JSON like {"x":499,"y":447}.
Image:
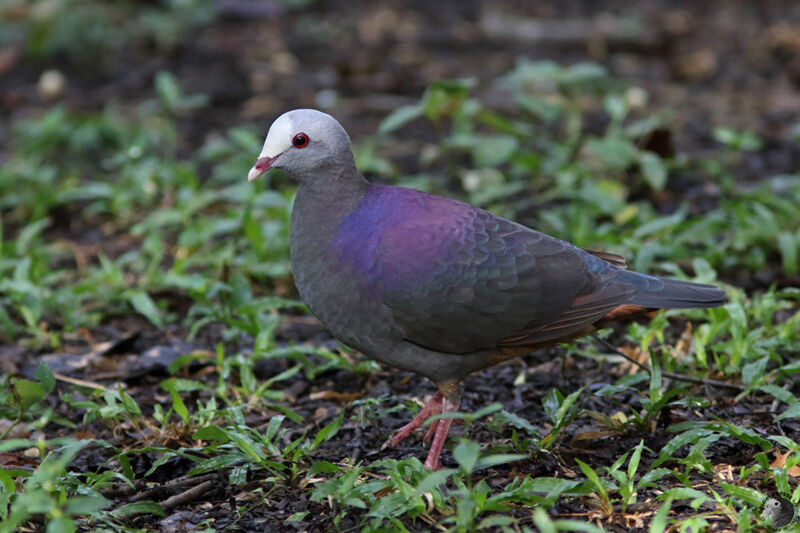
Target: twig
{"x":177,"y":482}
{"x":673,"y":375}
{"x":186,"y":496}
{"x":79,"y":382}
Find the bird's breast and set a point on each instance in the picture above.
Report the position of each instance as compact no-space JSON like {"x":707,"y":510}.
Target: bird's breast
{"x":336,"y":285}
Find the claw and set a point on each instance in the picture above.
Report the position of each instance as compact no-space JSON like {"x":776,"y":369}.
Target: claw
{"x":433,"y":407}
{"x":446,"y":400}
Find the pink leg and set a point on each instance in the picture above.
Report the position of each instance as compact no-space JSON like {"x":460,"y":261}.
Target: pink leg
{"x":432,"y":426}
{"x":433,"y":461}
{"x":431,"y":431}
{"x":446,"y":400}
{"x":433,"y":407}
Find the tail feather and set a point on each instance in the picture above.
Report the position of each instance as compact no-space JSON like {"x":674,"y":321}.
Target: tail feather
{"x":653,"y":292}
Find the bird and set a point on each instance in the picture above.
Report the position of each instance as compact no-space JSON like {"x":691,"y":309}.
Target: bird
{"x":435,"y":286}
{"x":779,"y":511}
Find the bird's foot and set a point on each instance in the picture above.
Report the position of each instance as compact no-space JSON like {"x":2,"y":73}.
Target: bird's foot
{"x":446,"y":400}
{"x":438,"y":430}
{"x":433,"y":407}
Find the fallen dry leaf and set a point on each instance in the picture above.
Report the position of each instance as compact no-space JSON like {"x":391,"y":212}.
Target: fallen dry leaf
{"x":635,"y":353}
{"x":344,"y":397}
{"x":780,"y":462}
{"x":725,"y":472}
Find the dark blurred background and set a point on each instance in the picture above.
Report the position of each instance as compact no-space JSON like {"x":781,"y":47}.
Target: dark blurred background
{"x":724,"y":62}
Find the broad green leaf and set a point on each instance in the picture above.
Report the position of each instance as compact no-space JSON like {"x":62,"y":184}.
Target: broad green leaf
{"x":754,"y":370}
{"x":45,"y":377}
{"x":589,"y":472}
{"x":661,"y":518}
{"x":145,"y":306}
{"x":215,"y":464}
{"x":551,"y":401}
{"x":499,"y":459}
{"x":400,"y":117}
{"x":552,"y":486}
{"x":28,"y":234}
{"x":322,"y":467}
{"x":7,"y":481}
{"x":653,"y":170}
{"x":616,"y":152}
{"x":433,"y":479}
{"x":779,"y":393}
{"x":492,"y":150}
{"x":211,"y":433}
{"x":178,"y":405}
{"x":751,"y":496}
{"x":540,"y":107}
{"x":85,"y":505}
{"x":577,"y":525}
{"x":496,"y":521}
{"x":25,"y":393}
{"x":466,"y":455}
{"x":685,"y":493}
{"x":328,"y":431}
{"x":131,"y":407}
{"x":168,"y":90}
{"x":542,"y":521}
{"x":661,"y":223}
{"x":61,"y":524}
{"x":793,"y":411}
{"x":444,"y":98}
{"x":633,"y":465}
{"x":505,"y":417}
{"x":788,"y":246}
{"x":138,"y":508}
{"x":655,"y":378}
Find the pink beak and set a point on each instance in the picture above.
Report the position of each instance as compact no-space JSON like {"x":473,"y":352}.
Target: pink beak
{"x":262,"y":165}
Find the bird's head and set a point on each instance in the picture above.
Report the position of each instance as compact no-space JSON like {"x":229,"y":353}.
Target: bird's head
{"x":303,"y":143}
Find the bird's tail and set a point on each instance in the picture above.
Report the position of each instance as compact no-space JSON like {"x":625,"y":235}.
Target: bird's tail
{"x":653,"y":292}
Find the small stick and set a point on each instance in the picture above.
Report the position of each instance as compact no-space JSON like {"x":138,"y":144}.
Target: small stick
{"x":186,"y":496}
{"x":177,"y":482}
{"x":673,"y":375}
{"x":78,"y":382}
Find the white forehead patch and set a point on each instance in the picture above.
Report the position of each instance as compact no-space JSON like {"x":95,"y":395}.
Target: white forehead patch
{"x":279,"y":138}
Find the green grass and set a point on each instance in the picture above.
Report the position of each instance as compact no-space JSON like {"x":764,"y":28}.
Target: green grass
{"x":91,"y":33}
{"x":103,"y":219}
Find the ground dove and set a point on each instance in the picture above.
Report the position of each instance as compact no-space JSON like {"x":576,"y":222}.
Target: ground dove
{"x":436,"y":286}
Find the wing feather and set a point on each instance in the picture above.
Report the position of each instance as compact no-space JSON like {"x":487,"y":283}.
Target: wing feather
{"x":481,"y":281}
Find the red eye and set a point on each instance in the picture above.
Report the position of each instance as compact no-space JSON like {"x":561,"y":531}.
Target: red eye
{"x":300,"y":140}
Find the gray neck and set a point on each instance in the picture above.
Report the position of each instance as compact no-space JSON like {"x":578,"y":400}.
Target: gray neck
{"x":318,"y":210}
{"x":321,"y":203}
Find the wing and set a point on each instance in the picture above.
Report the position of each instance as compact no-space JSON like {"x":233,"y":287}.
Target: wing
{"x":477,"y":281}
{"x":614,"y":259}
